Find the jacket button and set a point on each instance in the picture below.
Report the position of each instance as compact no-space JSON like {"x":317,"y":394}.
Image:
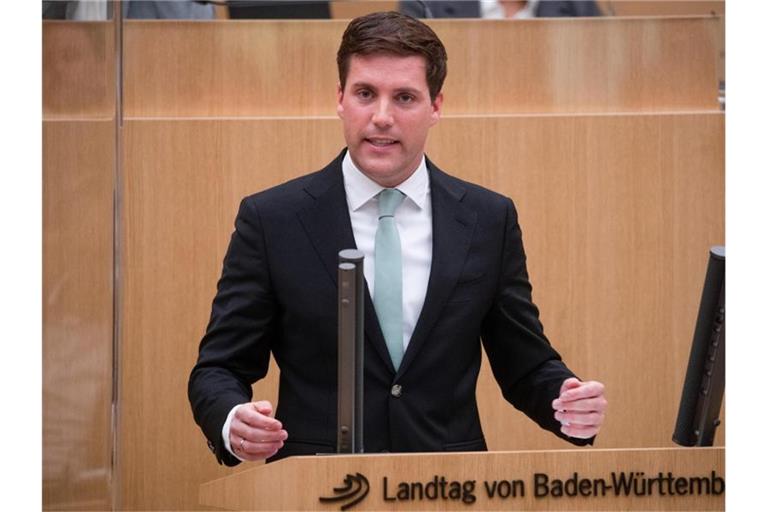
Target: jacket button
{"x":396,"y":391}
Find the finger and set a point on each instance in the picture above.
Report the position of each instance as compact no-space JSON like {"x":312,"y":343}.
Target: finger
{"x":255,"y":450}
{"x":263,"y":406}
{"x":260,"y":450}
{"x":239,"y":430}
{"x":257,"y":456}
{"x":579,"y":431}
{"x":594,"y":419}
{"x":588,"y":389}
{"x":250,"y":416}
{"x":569,"y":383}
{"x":585,"y":405}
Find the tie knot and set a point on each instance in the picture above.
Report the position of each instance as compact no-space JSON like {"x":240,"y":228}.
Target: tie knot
{"x":389,"y":200}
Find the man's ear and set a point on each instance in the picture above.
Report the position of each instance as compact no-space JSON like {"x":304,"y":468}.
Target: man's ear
{"x":437,"y":108}
{"x":339,"y":97}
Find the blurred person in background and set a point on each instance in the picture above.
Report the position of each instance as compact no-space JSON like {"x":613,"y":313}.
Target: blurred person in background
{"x":499,"y":9}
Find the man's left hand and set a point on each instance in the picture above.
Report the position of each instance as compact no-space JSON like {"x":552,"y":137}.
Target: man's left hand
{"x":580,"y":408}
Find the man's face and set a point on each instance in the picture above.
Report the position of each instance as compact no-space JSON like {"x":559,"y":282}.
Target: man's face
{"x":386,"y":111}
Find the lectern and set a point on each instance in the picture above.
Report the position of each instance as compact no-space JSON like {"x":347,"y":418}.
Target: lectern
{"x":594,"y":479}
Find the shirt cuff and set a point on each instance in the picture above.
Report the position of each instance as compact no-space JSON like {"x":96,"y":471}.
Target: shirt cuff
{"x":225,"y":432}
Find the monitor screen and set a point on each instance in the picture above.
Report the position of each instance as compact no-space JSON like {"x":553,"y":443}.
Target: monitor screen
{"x":698,"y":415}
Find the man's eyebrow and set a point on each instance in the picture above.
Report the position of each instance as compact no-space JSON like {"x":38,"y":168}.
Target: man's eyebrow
{"x":362,"y":84}
{"x":409,"y":90}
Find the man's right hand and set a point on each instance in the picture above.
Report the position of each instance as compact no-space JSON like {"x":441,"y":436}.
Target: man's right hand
{"x":254,"y":434}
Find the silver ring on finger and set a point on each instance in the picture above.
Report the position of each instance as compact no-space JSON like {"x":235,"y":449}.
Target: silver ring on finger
{"x":242,"y":442}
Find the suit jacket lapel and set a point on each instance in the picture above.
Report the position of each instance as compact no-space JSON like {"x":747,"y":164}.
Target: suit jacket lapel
{"x":452,"y":227}
{"x":326,"y":221}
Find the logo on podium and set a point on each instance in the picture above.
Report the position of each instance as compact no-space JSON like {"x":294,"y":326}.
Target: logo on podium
{"x":354,"y":490}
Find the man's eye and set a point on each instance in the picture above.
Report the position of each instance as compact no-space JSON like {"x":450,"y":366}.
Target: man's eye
{"x":364,"y":94}
{"x":405,"y":98}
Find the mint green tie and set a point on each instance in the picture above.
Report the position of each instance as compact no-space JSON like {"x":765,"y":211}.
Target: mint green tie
{"x":388,"y":278}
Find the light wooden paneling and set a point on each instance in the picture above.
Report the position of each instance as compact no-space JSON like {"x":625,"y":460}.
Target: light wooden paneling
{"x":580,"y":65}
{"x":662,"y":7}
{"x":674,"y":8}
{"x":287,"y":68}
{"x":617,"y":214}
{"x":230,"y":68}
{"x":78,"y":69}
{"x":183,"y":183}
{"x":348,"y":9}
{"x":78,"y":170}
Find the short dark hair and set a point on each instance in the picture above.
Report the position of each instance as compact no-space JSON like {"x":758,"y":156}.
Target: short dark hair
{"x":395,"y":33}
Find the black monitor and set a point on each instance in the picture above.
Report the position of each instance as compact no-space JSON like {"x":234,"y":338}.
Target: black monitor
{"x":284,"y":9}
{"x":698,"y":416}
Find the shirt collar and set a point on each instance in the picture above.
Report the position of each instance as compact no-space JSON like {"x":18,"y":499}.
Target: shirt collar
{"x":360,"y":188}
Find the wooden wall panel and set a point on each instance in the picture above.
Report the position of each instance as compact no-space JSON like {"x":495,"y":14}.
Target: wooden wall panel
{"x":284,"y":68}
{"x":675,"y":8}
{"x":78,"y":171}
{"x":183,"y":183}
{"x":617,"y":214}
{"x":230,"y":68}
{"x":79,"y":69}
{"x":580,"y":65}
{"x":348,"y":9}
{"x":662,"y":7}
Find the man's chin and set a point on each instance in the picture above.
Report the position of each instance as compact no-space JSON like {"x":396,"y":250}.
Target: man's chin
{"x":376,"y":164}
{"x":376,"y":172}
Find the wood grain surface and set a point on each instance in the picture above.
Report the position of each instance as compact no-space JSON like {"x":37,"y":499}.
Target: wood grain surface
{"x":348,"y":9}
{"x":662,"y":7}
{"x":302,"y":480}
{"x":287,"y":68}
{"x":78,"y":176}
{"x":79,"y":70}
{"x":617,"y":213}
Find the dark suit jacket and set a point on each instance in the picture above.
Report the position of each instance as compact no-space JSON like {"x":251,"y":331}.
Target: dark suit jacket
{"x":277,"y":293}
{"x":471,"y":8}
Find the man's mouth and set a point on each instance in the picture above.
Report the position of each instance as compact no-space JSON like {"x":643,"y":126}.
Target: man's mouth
{"x":380,"y":142}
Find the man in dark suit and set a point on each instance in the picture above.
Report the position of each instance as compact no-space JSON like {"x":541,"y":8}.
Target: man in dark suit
{"x":445,"y":269}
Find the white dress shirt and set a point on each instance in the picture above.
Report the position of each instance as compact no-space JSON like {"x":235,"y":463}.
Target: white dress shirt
{"x":414,"y":224}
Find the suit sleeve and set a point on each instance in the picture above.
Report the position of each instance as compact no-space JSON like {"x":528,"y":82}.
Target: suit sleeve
{"x":526,"y":367}
{"x":234,"y":352}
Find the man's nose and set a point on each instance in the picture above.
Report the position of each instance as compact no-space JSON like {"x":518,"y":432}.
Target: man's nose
{"x":382,"y":115}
